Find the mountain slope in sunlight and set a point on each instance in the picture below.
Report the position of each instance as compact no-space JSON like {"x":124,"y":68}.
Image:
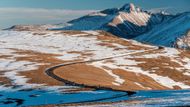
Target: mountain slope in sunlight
{"x":167,"y":34}
{"x":128,"y":21}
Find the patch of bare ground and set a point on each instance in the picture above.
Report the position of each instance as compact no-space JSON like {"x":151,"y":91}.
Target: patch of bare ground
{"x":76,"y":90}
{"x":109,"y":45}
{"x":184,"y":53}
{"x":5,"y":56}
{"x":134,"y":81}
{"x":109,"y":38}
{"x":39,"y":33}
{"x":155,"y":51}
{"x":165,"y":67}
{"x":63,"y":33}
{"x":38,"y":76}
{"x":85,"y":74}
{"x":109,"y":61}
{"x":92,"y":76}
{"x":87,"y":53}
{"x":69,"y":32}
{"x":4,"y":80}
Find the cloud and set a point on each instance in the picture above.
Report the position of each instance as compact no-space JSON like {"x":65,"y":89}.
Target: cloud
{"x":11,"y":16}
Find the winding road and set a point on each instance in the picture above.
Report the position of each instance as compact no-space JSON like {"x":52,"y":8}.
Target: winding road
{"x":50,"y":72}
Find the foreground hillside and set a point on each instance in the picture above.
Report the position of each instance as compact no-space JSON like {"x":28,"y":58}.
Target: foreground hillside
{"x":107,"y":61}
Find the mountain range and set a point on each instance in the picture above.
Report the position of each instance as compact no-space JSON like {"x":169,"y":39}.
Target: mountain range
{"x":131,"y":22}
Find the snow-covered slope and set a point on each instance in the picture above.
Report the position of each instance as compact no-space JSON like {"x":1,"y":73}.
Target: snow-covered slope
{"x":92,"y":21}
{"x":134,"y":23}
{"x":184,"y":41}
{"x":168,"y":33}
{"x":127,"y":21}
{"x":124,"y":65}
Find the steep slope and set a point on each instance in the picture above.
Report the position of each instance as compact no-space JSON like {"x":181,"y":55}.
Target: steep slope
{"x":184,"y":41}
{"x":134,"y":23}
{"x":168,"y":33}
{"x":92,"y":21}
{"x":127,"y":21}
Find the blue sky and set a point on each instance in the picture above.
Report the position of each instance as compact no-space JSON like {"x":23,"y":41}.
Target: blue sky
{"x":54,"y":11}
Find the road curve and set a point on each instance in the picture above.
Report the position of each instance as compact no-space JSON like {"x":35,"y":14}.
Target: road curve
{"x":50,"y":72}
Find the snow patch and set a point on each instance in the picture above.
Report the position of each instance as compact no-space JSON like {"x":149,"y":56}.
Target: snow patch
{"x":91,"y":32}
{"x":118,"y":81}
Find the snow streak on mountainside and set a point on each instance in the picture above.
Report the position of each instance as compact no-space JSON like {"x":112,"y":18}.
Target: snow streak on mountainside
{"x":127,"y":21}
{"x":167,"y":34}
{"x":184,"y":41}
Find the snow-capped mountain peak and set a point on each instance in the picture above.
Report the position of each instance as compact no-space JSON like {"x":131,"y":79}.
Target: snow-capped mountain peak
{"x":110,"y":11}
{"x":129,"y":7}
{"x":128,"y":21}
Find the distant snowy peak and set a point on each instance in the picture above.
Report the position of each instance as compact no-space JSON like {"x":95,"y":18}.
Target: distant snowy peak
{"x":130,"y":8}
{"x":140,"y":19}
{"x":162,"y":12}
{"x":112,"y":11}
{"x":129,"y":24}
{"x":134,"y":23}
